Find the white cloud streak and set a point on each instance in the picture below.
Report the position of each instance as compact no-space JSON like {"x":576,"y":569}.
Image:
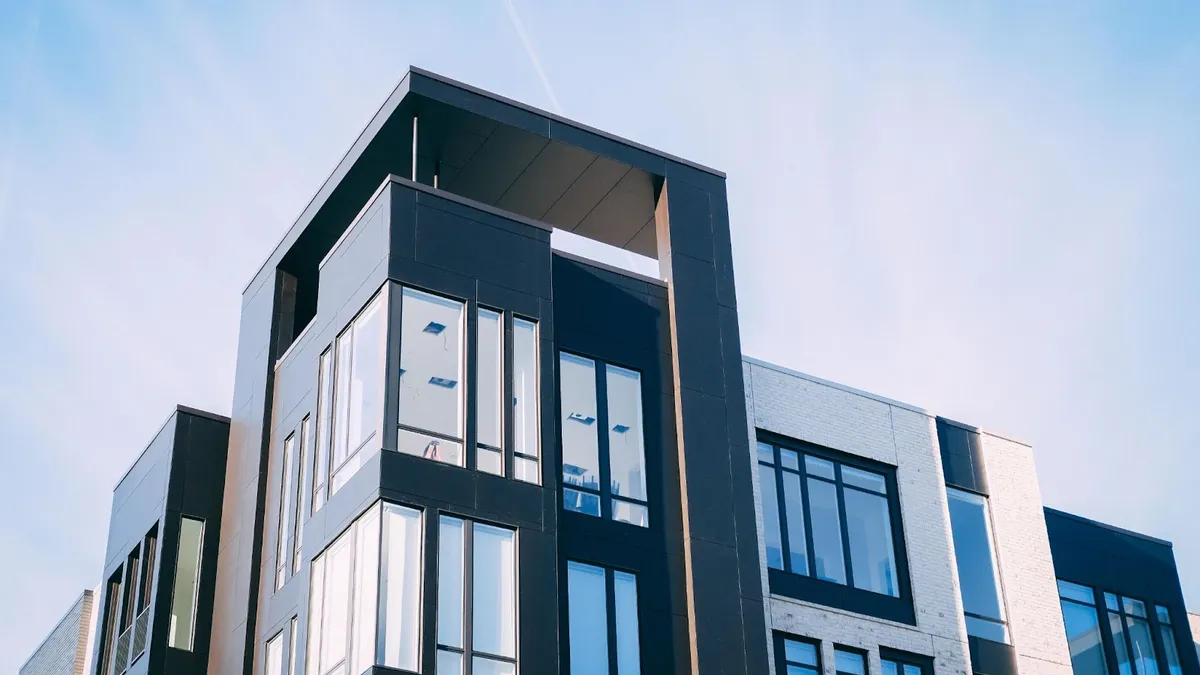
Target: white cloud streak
{"x":533,"y":57}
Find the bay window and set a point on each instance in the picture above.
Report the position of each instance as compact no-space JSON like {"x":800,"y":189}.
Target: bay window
{"x":357,"y":391}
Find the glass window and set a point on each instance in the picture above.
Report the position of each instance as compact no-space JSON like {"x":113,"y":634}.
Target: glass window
{"x":830,"y":510}
{"x":283,"y":533}
{"x":526,"y":432}
{"x":597,"y":627}
{"x":1171,"y":655}
{"x":292,"y":646}
{"x":274,"y":664}
{"x":298,"y":516}
{"x":847,"y":662}
{"x":800,"y":658}
{"x":150,"y":551}
{"x":181,"y":632}
{"x":491,"y":644}
{"x":489,"y":399}
{"x":978,"y":580}
{"x":1134,"y":644}
{"x":358,"y":390}
{"x":587,"y":454}
{"x":894,"y":664}
{"x":324,"y":410}
{"x":431,"y":377}
{"x":400,"y":588}
{"x":1084,"y":637}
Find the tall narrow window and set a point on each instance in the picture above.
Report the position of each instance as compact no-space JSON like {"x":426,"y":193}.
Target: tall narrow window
{"x":399,"y":638}
{"x":358,"y":392}
{"x":283,"y":533}
{"x":298,"y":516}
{"x":978,"y":578}
{"x":1171,"y":655}
{"x":292,"y":628}
{"x":129,"y":590}
{"x":181,"y":632}
{"x":324,"y":422}
{"x":150,"y":553}
{"x":1084,"y":638}
{"x":603,"y":474}
{"x":108,"y":629}
{"x":431,"y":396}
{"x":274,"y":657}
{"x":476,"y":588}
{"x":829,"y":520}
{"x":526,"y":427}
{"x":797,"y":657}
{"x":1132,"y":638}
{"x":602,"y":619}
{"x":489,"y":397}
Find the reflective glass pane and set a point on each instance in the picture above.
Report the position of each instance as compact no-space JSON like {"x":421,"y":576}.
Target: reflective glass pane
{"x":872,"y":553}
{"x":335,"y":632}
{"x":525,"y":388}
{"x":1084,"y":640}
{"x":292,"y":640}
{"x":324,"y":412}
{"x":987,"y":629}
{"x":794,"y":508}
{"x":305,"y":450}
{"x":1164,"y":616}
{"x":366,"y":378}
{"x":431,"y":363}
{"x":581,"y":502}
{"x":581,"y":449}
{"x":587,"y":619}
{"x":1111,"y":602}
{"x":973,"y":551}
{"x":815,"y":466}
{"x":766,"y":453}
{"x":629,"y":651}
{"x":850,"y":663}
{"x":344,"y":351}
{"x":628,"y":512}
{"x":890,"y":667}
{"x":1174,"y":667}
{"x":274,"y":664}
{"x":494,"y":585}
{"x":316,"y":615}
{"x":910,"y":669}
{"x":864,"y":479}
{"x":489,"y":408}
{"x":802,"y":653}
{"x":482,"y":666}
{"x":1143,"y":655}
{"x":1075,"y":592}
{"x":187,"y":582}
{"x":1134,"y":607}
{"x":283,"y":533}
{"x":400,"y":588}
{"x":789,"y":459}
{"x":828,"y":560}
{"x":450,"y":582}
{"x":626,"y":452}
{"x":1117,"y":628}
{"x":489,"y":461}
{"x":770,"y":506}
{"x":449,"y":663}
{"x":429,"y":447}
{"x":526,"y":470}
{"x":801,"y":670}
{"x":365,"y":590}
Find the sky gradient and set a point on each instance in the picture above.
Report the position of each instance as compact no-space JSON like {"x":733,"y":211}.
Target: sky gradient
{"x":988,"y":210}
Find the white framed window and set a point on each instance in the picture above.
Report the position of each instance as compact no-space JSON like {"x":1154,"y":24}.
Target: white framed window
{"x":432,"y":392}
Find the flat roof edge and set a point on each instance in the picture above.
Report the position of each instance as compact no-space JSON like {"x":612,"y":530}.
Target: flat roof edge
{"x":1112,"y":528}
{"x":179,"y":408}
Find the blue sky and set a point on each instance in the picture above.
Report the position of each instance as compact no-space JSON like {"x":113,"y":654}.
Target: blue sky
{"x":986,"y":209}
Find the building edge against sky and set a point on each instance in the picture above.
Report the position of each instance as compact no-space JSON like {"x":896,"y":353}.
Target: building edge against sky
{"x":456,"y":447}
{"x":67,"y":649}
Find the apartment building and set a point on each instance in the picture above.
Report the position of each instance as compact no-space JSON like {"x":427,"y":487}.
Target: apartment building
{"x":67,"y":649}
{"x":455,"y":447}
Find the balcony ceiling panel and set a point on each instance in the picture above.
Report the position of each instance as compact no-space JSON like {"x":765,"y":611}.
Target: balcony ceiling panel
{"x":583,"y":195}
{"x":546,"y":179}
{"x":497,"y":164}
{"x":619,"y":216}
{"x":645,"y":242}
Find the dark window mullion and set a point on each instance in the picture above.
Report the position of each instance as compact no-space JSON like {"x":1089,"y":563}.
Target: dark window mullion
{"x":610,"y":603}
{"x":785,"y":545}
{"x":471,"y":390}
{"x":430,"y":588}
{"x":468,"y":593}
{"x":602,"y":439}
{"x":508,"y":415}
{"x":841,"y":500}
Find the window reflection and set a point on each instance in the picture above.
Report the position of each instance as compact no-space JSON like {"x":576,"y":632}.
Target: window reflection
{"x":431,"y":395}
{"x":978,"y":580}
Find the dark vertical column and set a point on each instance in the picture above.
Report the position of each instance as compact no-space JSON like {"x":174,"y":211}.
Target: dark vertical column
{"x":725,"y":606}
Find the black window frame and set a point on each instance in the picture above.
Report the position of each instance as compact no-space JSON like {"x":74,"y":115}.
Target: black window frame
{"x":902,"y":658}
{"x":780,"y":639}
{"x":1098,"y":608}
{"x":857,"y":651}
{"x":1153,"y":625}
{"x":604,"y":494}
{"x":809,"y":588}
{"x":610,"y":612}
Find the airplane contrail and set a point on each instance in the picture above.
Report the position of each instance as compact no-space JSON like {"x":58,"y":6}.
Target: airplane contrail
{"x":537,"y":65}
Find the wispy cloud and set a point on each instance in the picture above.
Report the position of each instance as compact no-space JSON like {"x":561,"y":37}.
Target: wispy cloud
{"x":533,"y":57}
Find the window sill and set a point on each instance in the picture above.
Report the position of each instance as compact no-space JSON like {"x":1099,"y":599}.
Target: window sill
{"x":838,"y":596}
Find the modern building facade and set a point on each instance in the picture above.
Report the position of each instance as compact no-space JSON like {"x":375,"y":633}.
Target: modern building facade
{"x":455,"y":448}
{"x":67,"y":649}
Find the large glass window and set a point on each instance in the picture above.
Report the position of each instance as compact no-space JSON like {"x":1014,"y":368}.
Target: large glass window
{"x":526,"y":426}
{"x":476,"y":588}
{"x":978,"y":578}
{"x":298,"y":515}
{"x":1167,"y":631}
{"x":358,"y":391}
{"x":489,"y":397}
{"x":324,"y":421}
{"x":364,"y":607}
{"x":181,"y":631}
{"x":1084,"y":637}
{"x":797,"y":657}
{"x":603,"y":474}
{"x":431,"y":396}
{"x":820,"y":514}
{"x":1132,"y":639}
{"x":602,"y":619}
{"x":283,"y":533}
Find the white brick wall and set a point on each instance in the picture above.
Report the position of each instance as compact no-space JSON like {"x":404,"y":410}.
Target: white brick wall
{"x":809,"y":409}
{"x":64,"y":651}
{"x":1194,"y":619}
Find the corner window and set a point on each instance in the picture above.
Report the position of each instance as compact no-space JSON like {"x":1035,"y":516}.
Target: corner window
{"x":283,"y":533}
{"x":978,"y":579}
{"x":431,"y":395}
{"x":476,"y":599}
{"x":604,"y":474}
{"x":797,"y":657}
{"x":186,"y":589}
{"x":849,"y":661}
{"x":602,"y":621}
{"x":1084,"y":638}
{"x":828,"y":520}
{"x":365,"y":595}
{"x":357,"y":391}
